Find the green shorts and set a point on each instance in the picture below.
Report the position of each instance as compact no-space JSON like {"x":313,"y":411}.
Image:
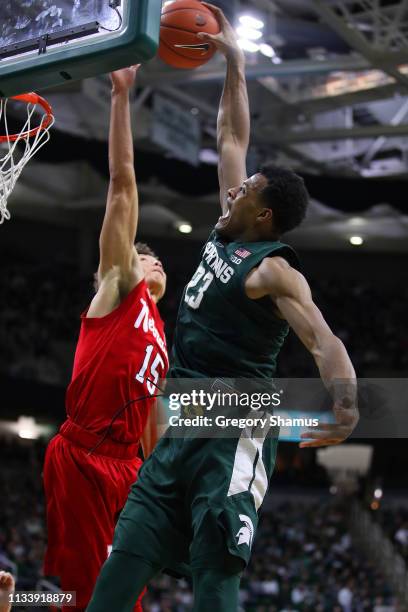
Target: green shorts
{"x":196,"y":501}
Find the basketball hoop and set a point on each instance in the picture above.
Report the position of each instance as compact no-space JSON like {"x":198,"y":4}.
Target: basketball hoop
{"x":15,"y":158}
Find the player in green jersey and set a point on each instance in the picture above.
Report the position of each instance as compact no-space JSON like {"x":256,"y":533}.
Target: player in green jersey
{"x":197,"y":498}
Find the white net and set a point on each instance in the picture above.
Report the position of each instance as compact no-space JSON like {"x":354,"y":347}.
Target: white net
{"x":16,"y":150}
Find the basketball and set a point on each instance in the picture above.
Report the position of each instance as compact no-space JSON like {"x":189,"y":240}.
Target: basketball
{"x":181,"y":21}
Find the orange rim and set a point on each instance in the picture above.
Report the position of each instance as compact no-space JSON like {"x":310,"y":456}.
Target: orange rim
{"x":32,"y":98}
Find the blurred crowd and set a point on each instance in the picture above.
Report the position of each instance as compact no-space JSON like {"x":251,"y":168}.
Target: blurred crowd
{"x":303,"y":558}
{"x":303,"y":561}
{"x":40,"y":308}
{"x":22,"y":532}
{"x":394,"y":521}
{"x":370,"y":319}
{"x":39,"y":320}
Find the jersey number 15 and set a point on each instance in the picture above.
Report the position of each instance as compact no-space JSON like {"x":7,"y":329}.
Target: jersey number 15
{"x":153,"y":376}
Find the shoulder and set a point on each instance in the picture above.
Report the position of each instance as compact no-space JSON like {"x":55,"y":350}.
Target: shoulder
{"x":276,"y":277}
{"x":113,"y":292}
{"x":276,"y":265}
{"x":274,"y":270}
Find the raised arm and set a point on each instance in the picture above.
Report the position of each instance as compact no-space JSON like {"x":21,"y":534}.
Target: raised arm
{"x":291,"y":294}
{"x":118,"y":233}
{"x":233,"y":125}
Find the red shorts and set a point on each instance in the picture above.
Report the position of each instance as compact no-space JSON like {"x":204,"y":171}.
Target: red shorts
{"x":85,"y":494}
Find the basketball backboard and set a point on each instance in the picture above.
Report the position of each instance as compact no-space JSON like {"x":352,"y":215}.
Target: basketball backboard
{"x":44,"y":43}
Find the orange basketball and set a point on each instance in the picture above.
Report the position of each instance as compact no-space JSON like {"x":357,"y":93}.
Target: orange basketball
{"x":181,"y":20}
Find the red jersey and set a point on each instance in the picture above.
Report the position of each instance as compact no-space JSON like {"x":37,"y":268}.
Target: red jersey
{"x":119,"y":357}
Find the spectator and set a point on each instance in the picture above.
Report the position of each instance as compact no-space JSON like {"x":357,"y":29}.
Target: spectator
{"x":345,"y":598}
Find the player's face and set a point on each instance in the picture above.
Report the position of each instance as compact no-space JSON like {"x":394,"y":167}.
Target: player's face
{"x":154,"y":275}
{"x":244,"y":206}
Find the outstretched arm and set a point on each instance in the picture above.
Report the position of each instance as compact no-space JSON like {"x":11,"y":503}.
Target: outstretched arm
{"x":233,"y":125}
{"x":118,"y":233}
{"x":292,"y":296}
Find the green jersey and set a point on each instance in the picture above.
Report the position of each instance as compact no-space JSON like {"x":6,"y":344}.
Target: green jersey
{"x":220,"y":332}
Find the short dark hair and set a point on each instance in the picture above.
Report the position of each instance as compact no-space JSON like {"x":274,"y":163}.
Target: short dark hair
{"x":143,"y":249}
{"x":286,"y":195}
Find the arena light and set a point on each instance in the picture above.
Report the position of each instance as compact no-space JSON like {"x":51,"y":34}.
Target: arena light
{"x":276,"y":59}
{"x":249,"y":33}
{"x":267,"y":50}
{"x":184,"y":227}
{"x":209,"y":156}
{"x":356,"y":240}
{"x":27,"y":428}
{"x":248,"y":45}
{"x":378,"y":493}
{"x":251,"y":22}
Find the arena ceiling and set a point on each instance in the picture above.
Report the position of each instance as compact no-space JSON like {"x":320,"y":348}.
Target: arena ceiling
{"x":332,"y":101}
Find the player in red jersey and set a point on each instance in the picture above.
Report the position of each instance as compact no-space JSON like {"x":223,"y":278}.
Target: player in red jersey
{"x":120,"y":357}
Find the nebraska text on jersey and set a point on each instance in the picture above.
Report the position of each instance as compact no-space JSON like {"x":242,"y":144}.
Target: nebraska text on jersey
{"x":146,"y":321}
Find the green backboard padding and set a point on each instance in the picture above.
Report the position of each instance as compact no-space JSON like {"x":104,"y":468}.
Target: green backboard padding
{"x":136,"y":42}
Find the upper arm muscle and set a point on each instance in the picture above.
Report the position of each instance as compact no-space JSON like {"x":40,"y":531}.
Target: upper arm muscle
{"x":117,"y":237}
{"x":304,"y":318}
{"x":231,"y":168}
{"x":294,"y":301}
{"x":292,"y":296}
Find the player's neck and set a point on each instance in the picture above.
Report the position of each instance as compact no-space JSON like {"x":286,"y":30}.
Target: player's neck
{"x":251,"y":235}
{"x":153,"y":295}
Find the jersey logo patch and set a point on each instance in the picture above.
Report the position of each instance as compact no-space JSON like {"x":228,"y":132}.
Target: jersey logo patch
{"x":246,"y":533}
{"x":242,"y":253}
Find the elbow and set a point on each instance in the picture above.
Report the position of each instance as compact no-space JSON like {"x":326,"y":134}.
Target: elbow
{"x":225,"y":137}
{"x":335,"y":340}
{"x":121,"y":184}
{"x":321,"y":345}
{"x":229,"y":139}
{"x":339,"y":345}
{"x":330,"y":349}
{"x":122,"y":175}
